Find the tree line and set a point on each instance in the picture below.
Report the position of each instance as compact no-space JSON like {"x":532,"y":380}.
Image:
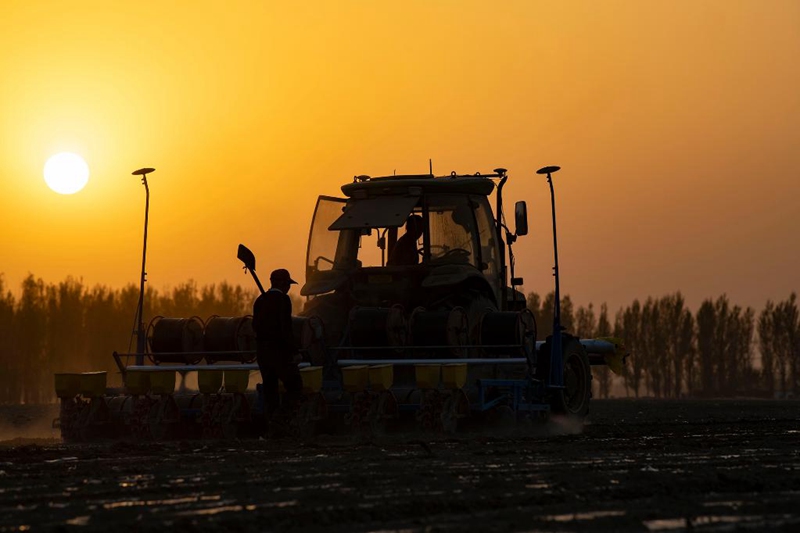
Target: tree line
{"x":722,"y":350}
{"x":69,"y":327}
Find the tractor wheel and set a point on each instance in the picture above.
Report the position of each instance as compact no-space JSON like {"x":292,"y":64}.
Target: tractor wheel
{"x":573,"y":399}
{"x":383,"y":409}
{"x":163,"y":418}
{"x":476,"y":308}
{"x":236,"y":417}
{"x":502,"y":417}
{"x":455,"y":408}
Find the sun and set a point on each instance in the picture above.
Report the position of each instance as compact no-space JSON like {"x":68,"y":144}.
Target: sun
{"x":66,"y":173}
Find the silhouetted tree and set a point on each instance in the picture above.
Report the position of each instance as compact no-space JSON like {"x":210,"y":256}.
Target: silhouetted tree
{"x":603,"y":373}
{"x":685,"y":345}
{"x":654,"y":348}
{"x":9,"y":377}
{"x":65,"y":326}
{"x":678,"y":335}
{"x":567,"y":313}
{"x":706,"y":326}
{"x":546,"y":313}
{"x":30,"y":329}
{"x":585,"y":322}
{"x":543,"y":313}
{"x":740,"y":368}
{"x":766,"y":344}
{"x":793,"y":333}
{"x":721,"y":348}
{"x":785,"y":342}
{"x":628,"y":325}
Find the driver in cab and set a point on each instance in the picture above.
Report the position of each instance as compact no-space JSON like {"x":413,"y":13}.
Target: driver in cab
{"x":405,"y":251}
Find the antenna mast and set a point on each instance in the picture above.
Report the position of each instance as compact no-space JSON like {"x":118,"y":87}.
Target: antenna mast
{"x":140,"y":332}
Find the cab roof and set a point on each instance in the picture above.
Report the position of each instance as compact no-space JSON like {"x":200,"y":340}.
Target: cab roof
{"x":419,"y":184}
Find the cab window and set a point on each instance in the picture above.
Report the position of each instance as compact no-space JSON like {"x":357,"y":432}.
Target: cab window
{"x":452,"y":230}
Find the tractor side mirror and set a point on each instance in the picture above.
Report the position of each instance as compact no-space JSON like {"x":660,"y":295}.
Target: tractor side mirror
{"x":246,"y":256}
{"x":521,"y":218}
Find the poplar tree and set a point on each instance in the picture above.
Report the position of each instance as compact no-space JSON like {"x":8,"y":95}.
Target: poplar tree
{"x":585,"y":322}
{"x":766,"y":346}
{"x":706,"y":326}
{"x":9,"y":379}
{"x":602,"y":372}
{"x":628,"y":325}
{"x":785,"y":337}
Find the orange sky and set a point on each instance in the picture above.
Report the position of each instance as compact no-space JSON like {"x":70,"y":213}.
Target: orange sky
{"x":677,"y":124}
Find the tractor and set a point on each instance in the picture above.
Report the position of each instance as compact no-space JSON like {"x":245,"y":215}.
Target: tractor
{"x":412,"y":309}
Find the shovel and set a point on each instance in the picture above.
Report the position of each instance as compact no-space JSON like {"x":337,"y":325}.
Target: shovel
{"x":246,"y":256}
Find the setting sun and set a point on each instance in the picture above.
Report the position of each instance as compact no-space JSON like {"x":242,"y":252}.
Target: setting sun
{"x":66,"y":173}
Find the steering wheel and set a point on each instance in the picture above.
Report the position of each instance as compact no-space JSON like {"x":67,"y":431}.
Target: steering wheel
{"x":461,"y":253}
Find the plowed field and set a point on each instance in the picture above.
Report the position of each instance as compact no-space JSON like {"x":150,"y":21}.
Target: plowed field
{"x":634,"y":466}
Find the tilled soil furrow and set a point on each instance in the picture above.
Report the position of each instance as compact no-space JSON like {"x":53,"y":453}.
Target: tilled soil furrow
{"x":636,"y":466}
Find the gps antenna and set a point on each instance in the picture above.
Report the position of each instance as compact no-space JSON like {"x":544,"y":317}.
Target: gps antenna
{"x":140,"y":333}
{"x":556,"y":363}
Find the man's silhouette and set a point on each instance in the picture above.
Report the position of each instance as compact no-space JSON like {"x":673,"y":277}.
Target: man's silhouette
{"x":405,"y":249}
{"x":275,"y":345}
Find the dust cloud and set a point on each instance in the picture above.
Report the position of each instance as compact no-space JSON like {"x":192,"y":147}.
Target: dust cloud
{"x":563,"y":425}
{"x":22,"y":423}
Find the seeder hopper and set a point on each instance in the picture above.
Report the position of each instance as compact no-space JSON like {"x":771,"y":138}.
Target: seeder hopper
{"x":435,"y":340}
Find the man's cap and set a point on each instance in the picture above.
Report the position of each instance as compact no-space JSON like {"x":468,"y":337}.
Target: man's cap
{"x":281,"y":276}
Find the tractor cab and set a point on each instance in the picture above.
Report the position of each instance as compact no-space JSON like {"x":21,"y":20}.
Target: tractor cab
{"x":405,"y":239}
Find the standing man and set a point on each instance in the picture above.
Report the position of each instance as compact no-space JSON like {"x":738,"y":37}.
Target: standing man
{"x":276,"y":349}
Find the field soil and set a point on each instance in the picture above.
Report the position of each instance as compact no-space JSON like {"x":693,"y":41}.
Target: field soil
{"x":634,"y":466}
